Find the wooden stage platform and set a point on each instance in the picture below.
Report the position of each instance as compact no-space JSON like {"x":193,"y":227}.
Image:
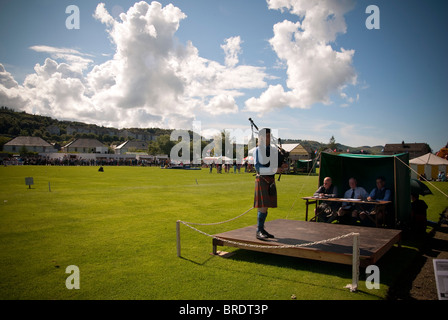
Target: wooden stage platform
{"x":373,"y":242}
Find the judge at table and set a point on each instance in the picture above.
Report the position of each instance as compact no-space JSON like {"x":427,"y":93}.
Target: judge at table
{"x":326,"y":211}
{"x":379,"y":193}
{"x":348,"y":209}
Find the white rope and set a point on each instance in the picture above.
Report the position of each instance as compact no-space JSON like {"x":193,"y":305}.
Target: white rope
{"x":355,"y":273}
{"x":269,"y":246}
{"x":189,"y":224}
{"x":215,"y":223}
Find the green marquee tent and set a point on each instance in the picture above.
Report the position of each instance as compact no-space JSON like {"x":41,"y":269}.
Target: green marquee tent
{"x":366,"y":168}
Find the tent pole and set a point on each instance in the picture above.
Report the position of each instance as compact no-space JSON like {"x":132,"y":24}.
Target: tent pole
{"x":319,"y":158}
{"x":395,"y":191}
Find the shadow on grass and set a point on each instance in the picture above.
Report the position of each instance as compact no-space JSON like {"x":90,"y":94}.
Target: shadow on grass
{"x":298,"y":264}
{"x":398,"y":267}
{"x":293,"y":263}
{"x":195,"y":262}
{"x":402,"y":283}
{"x":425,"y":248}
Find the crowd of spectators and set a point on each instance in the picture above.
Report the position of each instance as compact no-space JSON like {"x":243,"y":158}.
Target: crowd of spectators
{"x":76,"y":161}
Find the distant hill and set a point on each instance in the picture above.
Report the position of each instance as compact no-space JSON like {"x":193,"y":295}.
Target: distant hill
{"x":313,"y":146}
{"x":13,"y":124}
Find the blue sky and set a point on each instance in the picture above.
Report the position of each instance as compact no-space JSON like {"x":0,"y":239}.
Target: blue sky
{"x":310,"y":69}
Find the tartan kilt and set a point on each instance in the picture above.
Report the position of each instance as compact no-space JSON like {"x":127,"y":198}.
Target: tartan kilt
{"x":265,"y":192}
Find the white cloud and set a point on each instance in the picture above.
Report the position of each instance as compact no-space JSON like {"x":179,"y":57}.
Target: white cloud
{"x":222,"y":104}
{"x":204,"y":78}
{"x":348,"y":133}
{"x":76,"y":60}
{"x":10,"y":92}
{"x":273,"y":98}
{"x":151,"y":80}
{"x":232,"y":48}
{"x":6,"y":79}
{"x":315,"y":70}
{"x":102,"y":15}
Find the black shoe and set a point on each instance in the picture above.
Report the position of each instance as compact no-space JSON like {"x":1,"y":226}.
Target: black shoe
{"x":264,"y":235}
{"x":261,"y":236}
{"x":268,"y":234}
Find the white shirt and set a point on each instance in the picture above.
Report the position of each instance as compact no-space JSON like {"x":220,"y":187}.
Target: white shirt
{"x":360,"y":193}
{"x":261,"y":160}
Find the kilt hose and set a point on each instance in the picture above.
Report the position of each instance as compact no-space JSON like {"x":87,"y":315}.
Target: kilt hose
{"x":265,"y":192}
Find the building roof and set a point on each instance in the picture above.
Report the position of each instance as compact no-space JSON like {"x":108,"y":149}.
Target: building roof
{"x":85,"y":143}
{"x":139,"y":145}
{"x":405,"y":147}
{"x":295,"y":149}
{"x":28,"y":141}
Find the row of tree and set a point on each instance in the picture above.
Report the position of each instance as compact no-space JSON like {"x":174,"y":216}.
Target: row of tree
{"x":13,"y":124}
{"x":163,"y":145}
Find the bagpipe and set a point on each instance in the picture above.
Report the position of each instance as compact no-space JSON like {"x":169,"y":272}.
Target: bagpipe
{"x":283,"y":155}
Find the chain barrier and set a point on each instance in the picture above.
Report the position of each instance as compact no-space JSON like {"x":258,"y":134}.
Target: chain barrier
{"x":267,"y":246}
{"x":356,"y":250}
{"x":216,"y":223}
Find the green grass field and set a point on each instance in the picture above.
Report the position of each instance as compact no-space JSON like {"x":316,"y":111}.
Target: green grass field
{"x":119,"y":228}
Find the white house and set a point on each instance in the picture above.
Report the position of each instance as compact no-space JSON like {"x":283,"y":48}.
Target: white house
{"x":86,"y":146}
{"x":30,"y":144}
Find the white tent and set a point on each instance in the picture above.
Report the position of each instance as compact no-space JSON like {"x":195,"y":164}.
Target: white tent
{"x":221,"y":159}
{"x":249,"y":159}
{"x":429,"y":164}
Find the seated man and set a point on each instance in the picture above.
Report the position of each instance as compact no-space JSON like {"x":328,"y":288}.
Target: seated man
{"x":326,"y":211}
{"x":349,"y":209}
{"x":379,"y":193}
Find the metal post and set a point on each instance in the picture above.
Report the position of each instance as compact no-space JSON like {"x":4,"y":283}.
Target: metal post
{"x":178,"y":237}
{"x":355,"y":263}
